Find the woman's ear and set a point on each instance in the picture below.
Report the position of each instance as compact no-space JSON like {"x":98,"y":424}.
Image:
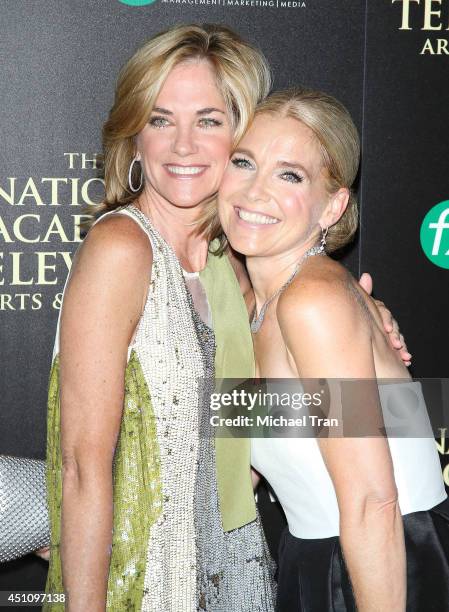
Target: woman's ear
{"x":336,"y":207}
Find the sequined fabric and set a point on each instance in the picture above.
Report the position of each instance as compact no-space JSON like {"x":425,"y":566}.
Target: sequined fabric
{"x":235,"y":570}
{"x":137,"y":492}
{"x":166,"y":511}
{"x":169,"y":350}
{"x":23,"y":507}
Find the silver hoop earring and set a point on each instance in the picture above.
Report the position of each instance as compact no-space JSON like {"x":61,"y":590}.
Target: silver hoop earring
{"x":130,"y":180}
{"x":324,"y":232}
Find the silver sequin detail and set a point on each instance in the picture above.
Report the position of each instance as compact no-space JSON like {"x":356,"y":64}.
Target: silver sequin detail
{"x":191,"y":563}
{"x":168,"y":349}
{"x":23,"y":507}
{"x":235,"y":570}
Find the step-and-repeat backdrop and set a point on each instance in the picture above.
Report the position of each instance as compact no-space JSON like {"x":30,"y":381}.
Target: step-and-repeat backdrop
{"x":387,"y":60}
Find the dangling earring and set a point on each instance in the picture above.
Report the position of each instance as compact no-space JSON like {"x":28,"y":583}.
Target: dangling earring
{"x":324,"y":232}
{"x":130,"y":181}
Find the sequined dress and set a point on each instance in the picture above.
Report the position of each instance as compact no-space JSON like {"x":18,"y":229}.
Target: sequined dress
{"x":169,"y":551}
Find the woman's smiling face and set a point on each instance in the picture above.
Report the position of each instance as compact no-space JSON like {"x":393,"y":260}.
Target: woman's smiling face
{"x":185,"y":146}
{"x":273,"y":192}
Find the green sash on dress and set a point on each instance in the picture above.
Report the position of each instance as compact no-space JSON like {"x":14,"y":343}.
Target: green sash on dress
{"x":234,"y":359}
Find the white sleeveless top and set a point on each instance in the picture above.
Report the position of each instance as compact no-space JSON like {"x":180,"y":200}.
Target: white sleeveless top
{"x":295,"y":469}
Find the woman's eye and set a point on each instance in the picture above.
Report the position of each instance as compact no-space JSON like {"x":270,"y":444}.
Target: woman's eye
{"x":241,"y":162}
{"x":158,"y":122}
{"x":292,"y":177}
{"x":207,"y":122}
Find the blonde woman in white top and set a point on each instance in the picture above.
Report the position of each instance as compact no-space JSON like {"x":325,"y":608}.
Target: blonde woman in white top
{"x":368,"y":518}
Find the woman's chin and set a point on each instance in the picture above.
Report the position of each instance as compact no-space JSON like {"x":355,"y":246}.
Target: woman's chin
{"x":244,"y":246}
{"x":187,"y":198}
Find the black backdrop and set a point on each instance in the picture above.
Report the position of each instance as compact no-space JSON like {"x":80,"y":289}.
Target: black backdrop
{"x":59,"y":62}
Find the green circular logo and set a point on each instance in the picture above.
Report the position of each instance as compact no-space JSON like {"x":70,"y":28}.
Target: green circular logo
{"x":137,"y":2}
{"x":435,"y":235}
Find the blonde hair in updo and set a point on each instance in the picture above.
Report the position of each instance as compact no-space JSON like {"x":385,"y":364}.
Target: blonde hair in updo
{"x":243,"y":78}
{"x":339,"y":145}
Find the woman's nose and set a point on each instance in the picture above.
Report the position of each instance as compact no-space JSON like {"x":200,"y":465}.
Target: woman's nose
{"x":184,"y":142}
{"x":257,"y":189}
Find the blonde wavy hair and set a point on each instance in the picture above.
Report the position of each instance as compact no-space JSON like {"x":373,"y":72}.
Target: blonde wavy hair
{"x":243,"y":78}
{"x":339,"y":143}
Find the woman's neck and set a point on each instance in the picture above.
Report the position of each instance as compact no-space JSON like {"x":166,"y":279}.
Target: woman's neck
{"x":268,"y":273}
{"x":178,"y":227}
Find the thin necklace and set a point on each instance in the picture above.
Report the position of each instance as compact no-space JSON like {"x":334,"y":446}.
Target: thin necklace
{"x":256,"y":321}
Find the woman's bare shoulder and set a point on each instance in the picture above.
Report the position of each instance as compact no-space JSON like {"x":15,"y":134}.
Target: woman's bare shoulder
{"x":118,"y":234}
{"x":319,"y":310}
{"x":114,"y":259}
{"x":115,"y":241}
{"x":320,"y":287}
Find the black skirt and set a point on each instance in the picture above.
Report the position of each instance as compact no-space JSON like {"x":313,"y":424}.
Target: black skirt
{"x":312,"y":576}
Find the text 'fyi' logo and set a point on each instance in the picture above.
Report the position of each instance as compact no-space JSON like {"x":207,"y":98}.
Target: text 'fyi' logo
{"x":435,"y":235}
{"x":137,"y":2}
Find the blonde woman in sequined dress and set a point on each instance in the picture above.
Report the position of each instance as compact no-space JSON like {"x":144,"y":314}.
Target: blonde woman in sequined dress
{"x":133,"y":478}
